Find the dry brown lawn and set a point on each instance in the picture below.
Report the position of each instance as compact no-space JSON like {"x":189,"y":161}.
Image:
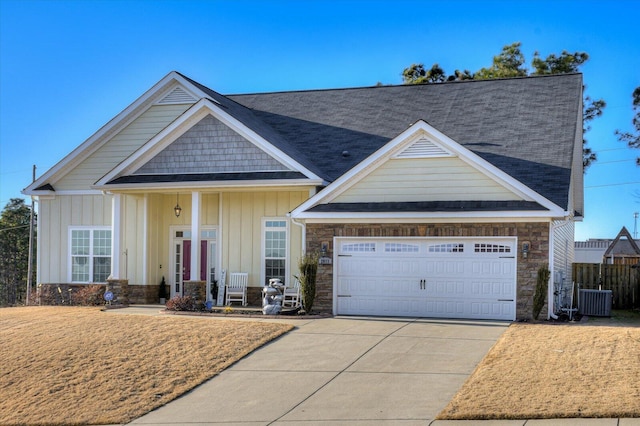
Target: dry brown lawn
{"x":554,"y":371}
{"x":82,"y":366}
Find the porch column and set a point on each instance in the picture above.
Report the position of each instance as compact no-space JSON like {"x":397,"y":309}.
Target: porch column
{"x":195,"y":287}
{"x":195,"y":236}
{"x":116,"y":205}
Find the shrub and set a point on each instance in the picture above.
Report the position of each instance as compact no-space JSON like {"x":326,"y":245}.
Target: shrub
{"x":542,"y":286}
{"x":308,"y":266}
{"x":46,"y":295}
{"x":182,"y":303}
{"x":89,"y":295}
{"x":162,"y":289}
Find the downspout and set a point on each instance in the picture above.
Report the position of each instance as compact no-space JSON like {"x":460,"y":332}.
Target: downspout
{"x":303,"y":229}
{"x":552,"y":244}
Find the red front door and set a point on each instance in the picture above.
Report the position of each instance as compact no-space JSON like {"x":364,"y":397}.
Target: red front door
{"x":186,"y":264}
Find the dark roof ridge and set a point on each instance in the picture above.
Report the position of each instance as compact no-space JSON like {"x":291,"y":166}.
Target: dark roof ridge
{"x":275,"y":92}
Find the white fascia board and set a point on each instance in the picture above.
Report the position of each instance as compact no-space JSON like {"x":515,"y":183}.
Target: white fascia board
{"x":183,"y":123}
{"x":209,"y":185}
{"x":53,"y":194}
{"x":393,"y":216}
{"x":398,"y":143}
{"x":37,"y":193}
{"x":447,"y":220}
{"x":120,"y":121}
{"x":79,"y":192}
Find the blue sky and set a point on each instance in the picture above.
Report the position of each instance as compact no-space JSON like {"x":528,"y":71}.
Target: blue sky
{"x":68,"y":67}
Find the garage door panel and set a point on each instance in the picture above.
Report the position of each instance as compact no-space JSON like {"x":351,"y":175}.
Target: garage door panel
{"x":355,"y":266}
{"x":495,"y":268}
{"x":495,"y":289}
{"x":441,"y":267}
{"x":377,"y":287}
{"x":432,"y":277}
{"x":407,"y":307}
{"x":445,"y":308}
{"x":398,"y":267}
{"x":498,"y":310}
{"x":443,"y":289}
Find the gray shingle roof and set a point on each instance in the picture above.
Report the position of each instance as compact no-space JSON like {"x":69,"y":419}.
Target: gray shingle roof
{"x":427,"y":206}
{"x":205,"y":177}
{"x":524,"y":126}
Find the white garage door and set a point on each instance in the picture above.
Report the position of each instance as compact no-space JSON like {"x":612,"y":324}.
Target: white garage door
{"x":427,"y":277}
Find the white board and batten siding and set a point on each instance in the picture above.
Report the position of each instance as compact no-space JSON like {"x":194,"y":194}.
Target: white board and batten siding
{"x":471,"y":278}
{"x":425,"y":179}
{"x":120,"y":146}
{"x":243,"y":214}
{"x":55,"y":217}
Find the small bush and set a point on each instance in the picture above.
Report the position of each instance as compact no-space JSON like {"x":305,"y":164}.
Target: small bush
{"x":542,"y":286}
{"x":89,"y":295}
{"x":44,"y":295}
{"x":182,"y":303}
{"x":308,"y":266}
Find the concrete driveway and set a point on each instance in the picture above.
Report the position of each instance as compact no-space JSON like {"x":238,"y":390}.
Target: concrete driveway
{"x":341,"y":370}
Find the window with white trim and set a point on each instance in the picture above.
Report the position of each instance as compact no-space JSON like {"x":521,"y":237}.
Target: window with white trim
{"x":275,"y":249}
{"x":90,"y":254}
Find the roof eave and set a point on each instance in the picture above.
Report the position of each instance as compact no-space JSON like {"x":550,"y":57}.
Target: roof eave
{"x":210,"y":185}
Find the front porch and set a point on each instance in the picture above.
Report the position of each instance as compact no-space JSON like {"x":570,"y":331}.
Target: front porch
{"x":188,"y":238}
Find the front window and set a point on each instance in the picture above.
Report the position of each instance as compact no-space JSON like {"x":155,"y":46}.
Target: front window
{"x":90,"y":252}
{"x":275,"y":249}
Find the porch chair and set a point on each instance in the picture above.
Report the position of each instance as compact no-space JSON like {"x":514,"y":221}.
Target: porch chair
{"x":291,"y":295}
{"x":236,"y":290}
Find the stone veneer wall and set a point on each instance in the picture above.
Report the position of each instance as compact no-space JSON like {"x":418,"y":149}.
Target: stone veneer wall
{"x":196,"y":289}
{"x":537,"y":234}
{"x":120,"y":290}
{"x":144,"y":294}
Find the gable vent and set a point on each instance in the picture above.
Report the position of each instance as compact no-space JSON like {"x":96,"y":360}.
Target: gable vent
{"x":423,"y":148}
{"x":177,"y":96}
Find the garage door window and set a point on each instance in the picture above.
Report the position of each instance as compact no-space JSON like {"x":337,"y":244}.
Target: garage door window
{"x":359,"y":248}
{"x":447,"y":248}
{"x":401,"y":248}
{"x":492,"y":248}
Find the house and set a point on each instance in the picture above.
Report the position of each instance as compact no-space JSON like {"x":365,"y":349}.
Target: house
{"x":590,"y":251}
{"x":622,"y":250}
{"x":436,"y":200}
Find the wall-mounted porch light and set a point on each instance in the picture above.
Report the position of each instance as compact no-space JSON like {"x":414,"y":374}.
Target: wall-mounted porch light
{"x":525,"y":249}
{"x":177,"y":209}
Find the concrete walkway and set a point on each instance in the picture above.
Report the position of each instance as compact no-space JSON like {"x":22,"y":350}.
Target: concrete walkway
{"x":355,"y":371}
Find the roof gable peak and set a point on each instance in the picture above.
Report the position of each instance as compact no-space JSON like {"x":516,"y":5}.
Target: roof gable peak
{"x":421,"y":140}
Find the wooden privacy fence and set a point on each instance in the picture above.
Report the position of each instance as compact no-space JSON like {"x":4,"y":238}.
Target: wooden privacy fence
{"x":622,"y":280}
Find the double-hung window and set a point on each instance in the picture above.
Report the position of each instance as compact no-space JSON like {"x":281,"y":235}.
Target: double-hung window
{"x":275,"y":249}
{"x":90,"y":254}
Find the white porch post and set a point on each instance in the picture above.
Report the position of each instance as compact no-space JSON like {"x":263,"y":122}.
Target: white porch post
{"x":195,"y":236}
{"x":116,"y":226}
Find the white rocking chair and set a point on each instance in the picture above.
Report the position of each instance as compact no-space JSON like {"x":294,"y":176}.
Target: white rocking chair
{"x":291,"y":296}
{"x":236,"y":290}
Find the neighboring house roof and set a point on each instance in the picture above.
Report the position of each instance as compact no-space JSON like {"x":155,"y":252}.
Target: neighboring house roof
{"x":623,"y":245}
{"x":593,"y":244}
{"x":590,"y":251}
